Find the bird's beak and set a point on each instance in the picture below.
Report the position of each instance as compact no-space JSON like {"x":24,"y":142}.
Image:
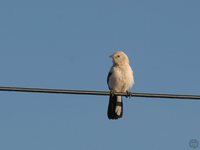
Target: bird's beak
{"x":111,"y":56}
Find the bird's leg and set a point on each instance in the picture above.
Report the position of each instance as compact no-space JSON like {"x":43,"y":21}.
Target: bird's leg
{"x":129,"y":94}
{"x":112,"y":93}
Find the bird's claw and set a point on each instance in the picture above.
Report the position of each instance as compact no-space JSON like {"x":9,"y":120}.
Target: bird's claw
{"x":112,"y":93}
{"x":129,"y":94}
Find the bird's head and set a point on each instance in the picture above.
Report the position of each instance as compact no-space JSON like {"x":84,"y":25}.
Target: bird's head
{"x":119,"y":58}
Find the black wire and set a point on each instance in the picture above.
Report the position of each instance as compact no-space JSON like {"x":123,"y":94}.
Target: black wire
{"x":84,"y":92}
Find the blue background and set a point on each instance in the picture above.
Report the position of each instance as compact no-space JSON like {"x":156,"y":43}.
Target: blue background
{"x":66,"y":44}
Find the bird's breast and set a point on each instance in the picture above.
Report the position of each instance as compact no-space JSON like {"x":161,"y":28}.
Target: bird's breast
{"x":121,"y":79}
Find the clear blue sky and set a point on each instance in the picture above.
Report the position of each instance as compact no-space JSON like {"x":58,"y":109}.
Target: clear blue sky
{"x":65,"y":44}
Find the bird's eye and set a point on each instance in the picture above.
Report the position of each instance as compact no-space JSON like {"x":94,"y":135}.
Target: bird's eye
{"x":118,"y":56}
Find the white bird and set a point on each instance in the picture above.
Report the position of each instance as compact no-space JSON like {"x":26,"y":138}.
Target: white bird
{"x":120,"y":79}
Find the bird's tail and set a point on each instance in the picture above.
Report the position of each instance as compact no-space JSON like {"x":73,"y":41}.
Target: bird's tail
{"x":115,"y":107}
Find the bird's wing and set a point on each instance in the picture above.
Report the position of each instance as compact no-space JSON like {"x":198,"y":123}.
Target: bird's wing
{"x":108,"y":77}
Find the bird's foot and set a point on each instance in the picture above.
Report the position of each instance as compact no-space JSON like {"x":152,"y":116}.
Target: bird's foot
{"x":112,"y":93}
{"x":129,"y":94}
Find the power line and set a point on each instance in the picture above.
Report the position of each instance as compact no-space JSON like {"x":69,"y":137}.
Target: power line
{"x":84,"y":92}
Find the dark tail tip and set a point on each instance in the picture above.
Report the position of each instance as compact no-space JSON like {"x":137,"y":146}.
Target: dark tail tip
{"x":111,"y":108}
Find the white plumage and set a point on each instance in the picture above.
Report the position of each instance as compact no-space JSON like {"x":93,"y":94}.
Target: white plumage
{"x":120,"y":79}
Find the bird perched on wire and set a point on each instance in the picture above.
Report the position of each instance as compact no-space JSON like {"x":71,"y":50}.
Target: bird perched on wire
{"x":120,"y":79}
